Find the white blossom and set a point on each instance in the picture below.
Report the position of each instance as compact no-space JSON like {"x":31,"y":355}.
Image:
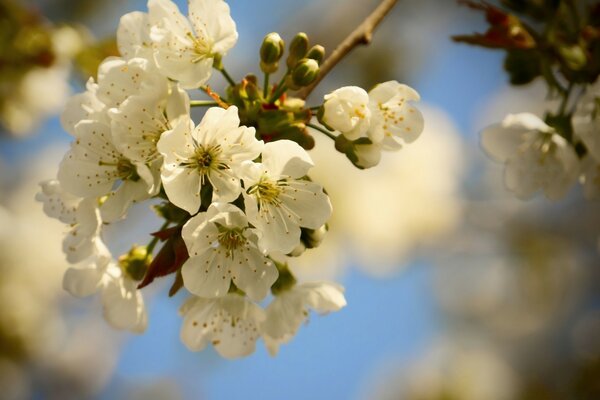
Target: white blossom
{"x":223,"y":248}
{"x":346,"y":110}
{"x":186,"y":49}
{"x":57,"y":203}
{"x":138,"y":123}
{"x":536,"y":157}
{"x":212,"y":152}
{"x":279,"y":201}
{"x":84,"y":237}
{"x":394,"y":120}
{"x":230,"y":324}
{"x":133,"y":36}
{"x":586,"y":120}
{"x":119,"y":78}
{"x":83,"y":106}
{"x":93,"y":166}
{"x":290,"y":308}
{"x":122,"y":302}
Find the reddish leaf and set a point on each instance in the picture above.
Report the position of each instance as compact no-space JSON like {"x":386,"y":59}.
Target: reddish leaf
{"x":169,"y":259}
{"x":506,"y":30}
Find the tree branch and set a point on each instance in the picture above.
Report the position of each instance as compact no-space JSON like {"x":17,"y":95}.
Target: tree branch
{"x":363,"y":34}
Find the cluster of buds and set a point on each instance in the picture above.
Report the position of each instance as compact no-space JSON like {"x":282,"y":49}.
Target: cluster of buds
{"x":559,"y":42}
{"x":233,"y":190}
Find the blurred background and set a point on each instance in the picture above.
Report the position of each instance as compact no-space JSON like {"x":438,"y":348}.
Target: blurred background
{"x":456,"y":290}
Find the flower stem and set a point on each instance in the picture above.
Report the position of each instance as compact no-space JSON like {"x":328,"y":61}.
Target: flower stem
{"x":322,"y":130}
{"x":203,"y":103}
{"x":227,"y":76}
{"x":363,"y":34}
{"x":266,"y":87}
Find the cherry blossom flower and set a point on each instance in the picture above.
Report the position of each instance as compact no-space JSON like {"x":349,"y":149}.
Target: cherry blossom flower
{"x":536,"y":157}
{"x":223,"y":248}
{"x":138,"y":123}
{"x":186,"y":49}
{"x":57,"y":203}
{"x":93,"y":166}
{"x":211,"y":153}
{"x":393,"y":118}
{"x":122,"y":303}
{"x":346,"y":110}
{"x":279,"y":201}
{"x":229,"y":323}
{"x":290,"y":309}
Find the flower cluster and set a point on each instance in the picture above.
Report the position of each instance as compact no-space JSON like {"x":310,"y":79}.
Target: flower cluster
{"x":233,"y":189}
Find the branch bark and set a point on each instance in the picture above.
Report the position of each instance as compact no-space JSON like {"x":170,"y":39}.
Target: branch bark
{"x":362,"y":35}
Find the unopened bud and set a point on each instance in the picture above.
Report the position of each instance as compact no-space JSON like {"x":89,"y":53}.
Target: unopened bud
{"x":312,"y":238}
{"x":298,"y":49}
{"x":251,"y":89}
{"x":135,"y":263}
{"x":271,"y":51}
{"x":305,"y":72}
{"x":317,"y":53}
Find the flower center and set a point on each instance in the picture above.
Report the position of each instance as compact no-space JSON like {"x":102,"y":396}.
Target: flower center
{"x":231,"y":239}
{"x":207,"y":158}
{"x":266,"y":192}
{"x":200,"y":47}
{"x":127,"y":171}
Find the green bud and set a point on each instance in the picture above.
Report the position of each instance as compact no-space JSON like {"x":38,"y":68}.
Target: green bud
{"x":250,"y":88}
{"x":317,"y":53}
{"x":135,"y":263}
{"x":574,"y":57}
{"x":298,"y":49}
{"x":312,"y":238}
{"x":305,"y":72}
{"x":271,"y":51}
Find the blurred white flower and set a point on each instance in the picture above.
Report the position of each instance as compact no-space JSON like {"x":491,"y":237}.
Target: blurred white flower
{"x":230,"y":324}
{"x":536,"y":157}
{"x":290,"y":308}
{"x":122,"y":302}
{"x":39,"y":94}
{"x":458,"y":369}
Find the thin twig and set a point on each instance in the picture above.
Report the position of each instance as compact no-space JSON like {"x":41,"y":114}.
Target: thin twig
{"x":363,"y":34}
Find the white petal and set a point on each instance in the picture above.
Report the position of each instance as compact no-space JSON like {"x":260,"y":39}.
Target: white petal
{"x":254,"y":273}
{"x":286,"y":158}
{"x":82,"y":282}
{"x":133,"y":35}
{"x":307,"y":204}
{"x":206,"y":275}
{"x":123,"y":305}
{"x":212,"y":20}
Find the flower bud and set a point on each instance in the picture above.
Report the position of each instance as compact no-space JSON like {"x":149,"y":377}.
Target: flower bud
{"x":271,"y":51}
{"x":305,"y":72}
{"x":312,"y":238}
{"x":298,"y":49}
{"x":250,"y":87}
{"x":135,"y":263}
{"x":317,"y":53}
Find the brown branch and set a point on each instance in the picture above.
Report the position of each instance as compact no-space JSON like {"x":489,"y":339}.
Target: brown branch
{"x":363,"y":34}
